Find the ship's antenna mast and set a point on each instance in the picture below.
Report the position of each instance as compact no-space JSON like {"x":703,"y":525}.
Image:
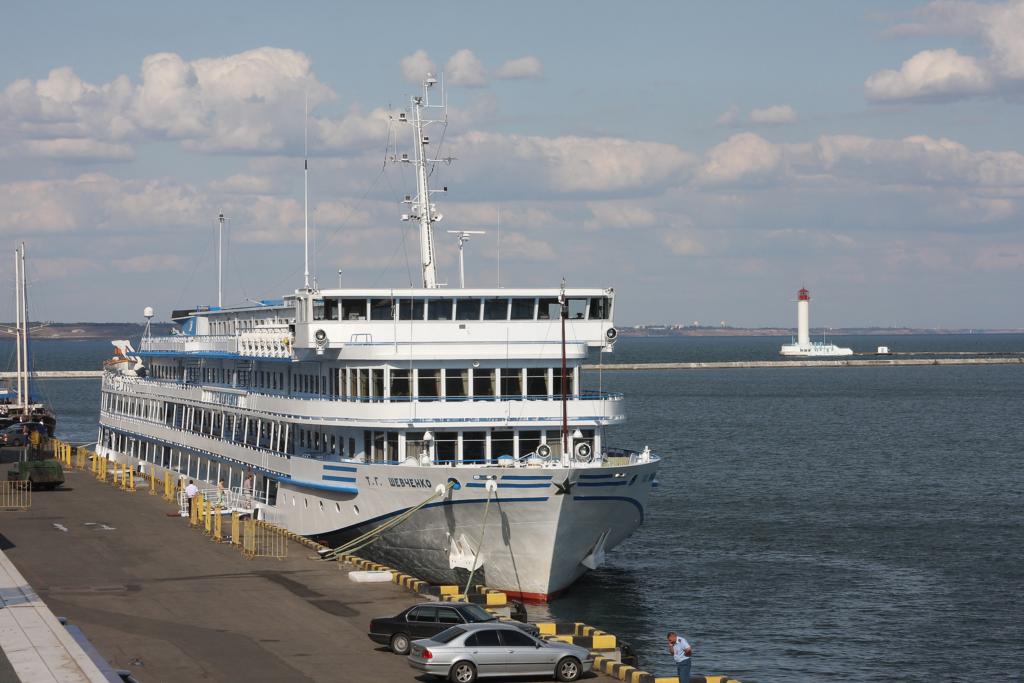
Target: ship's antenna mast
{"x":305,"y":188}
{"x":563,"y":309}
{"x":423,"y":210}
{"x":463,"y":238}
{"x":220,"y":259}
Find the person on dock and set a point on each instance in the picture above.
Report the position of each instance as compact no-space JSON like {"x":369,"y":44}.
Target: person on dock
{"x":34,"y":438}
{"x":681,"y":653}
{"x":190,"y":492}
{"x":222,"y":498}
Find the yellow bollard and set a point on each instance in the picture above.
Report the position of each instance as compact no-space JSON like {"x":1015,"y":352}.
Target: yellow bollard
{"x":208,"y":520}
{"x":218,"y":522}
{"x":193,"y":519}
{"x":131,"y":478}
{"x":168,"y":488}
{"x":236,"y":538}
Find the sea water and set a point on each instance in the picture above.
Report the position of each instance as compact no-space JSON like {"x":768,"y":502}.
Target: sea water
{"x":817,"y":524}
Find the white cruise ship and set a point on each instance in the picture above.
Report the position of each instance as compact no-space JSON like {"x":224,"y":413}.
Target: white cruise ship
{"x":345,"y":409}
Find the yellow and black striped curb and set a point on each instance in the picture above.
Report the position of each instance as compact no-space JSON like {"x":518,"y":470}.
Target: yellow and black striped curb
{"x":578,"y":633}
{"x":631,"y":674}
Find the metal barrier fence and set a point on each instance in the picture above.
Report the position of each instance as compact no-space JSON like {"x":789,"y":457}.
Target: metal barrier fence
{"x":259,"y":540}
{"x":15,"y":495}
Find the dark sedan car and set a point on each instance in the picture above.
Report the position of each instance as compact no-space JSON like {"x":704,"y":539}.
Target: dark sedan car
{"x":428,"y":619}
{"x":13,"y":435}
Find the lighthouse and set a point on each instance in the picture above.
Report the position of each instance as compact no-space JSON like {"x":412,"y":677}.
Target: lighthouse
{"x":803,"y":345}
{"x":803,"y":317}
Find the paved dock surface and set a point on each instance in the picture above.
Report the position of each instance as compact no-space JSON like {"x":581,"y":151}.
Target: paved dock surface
{"x":169,"y":604}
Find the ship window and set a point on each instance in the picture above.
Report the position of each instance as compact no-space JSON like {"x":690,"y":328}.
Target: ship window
{"x":382,"y":309}
{"x":399,"y":383}
{"x":528,"y":442}
{"x":445,"y":445}
{"x":511,"y":383}
{"x":600,"y":308}
{"x":439,"y":309}
{"x":522,"y":309}
{"x":377,"y":377}
{"x":325,"y":309}
{"x":501,"y":443}
{"x":362,"y":383}
{"x":467,"y":309}
{"x":556,"y":388}
{"x":483,"y":383}
{"x":548,"y":309}
{"x":474,"y":446}
{"x":537,"y":382}
{"x":456,"y":383}
{"x":554,"y":442}
{"x":353,"y":309}
{"x":495,"y":309}
{"x":410,"y":309}
{"x":429,"y":385}
{"x":577,"y":309}
{"x":414,"y":444}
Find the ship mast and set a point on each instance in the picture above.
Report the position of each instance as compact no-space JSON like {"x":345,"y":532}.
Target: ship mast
{"x":17,"y":322}
{"x":563,"y":313}
{"x":27,"y":397}
{"x":423,"y":210}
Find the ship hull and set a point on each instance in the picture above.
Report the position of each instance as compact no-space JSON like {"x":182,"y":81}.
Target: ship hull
{"x":534,"y":539}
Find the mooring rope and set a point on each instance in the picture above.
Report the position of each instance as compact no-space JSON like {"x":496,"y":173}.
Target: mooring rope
{"x":491,"y":486}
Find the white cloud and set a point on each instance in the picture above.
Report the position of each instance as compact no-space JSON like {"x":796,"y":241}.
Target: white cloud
{"x":518,"y":245}
{"x":572,"y":163}
{"x":416,"y":66}
{"x":523,"y":67}
{"x":729,"y":117}
{"x":252,"y":101}
{"x":241,"y":183}
{"x":780,"y":113}
{"x":615,"y":214}
{"x":744,"y":157}
{"x":146,"y":263}
{"x":931,"y":74}
{"x":683,"y":243}
{"x":465,"y":69}
{"x":947,"y":74}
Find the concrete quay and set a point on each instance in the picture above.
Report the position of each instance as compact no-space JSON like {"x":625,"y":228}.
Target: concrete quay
{"x":809,"y":363}
{"x":163,"y":601}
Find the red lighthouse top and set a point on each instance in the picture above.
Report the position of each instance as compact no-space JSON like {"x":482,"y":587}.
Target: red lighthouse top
{"x":803,"y":294}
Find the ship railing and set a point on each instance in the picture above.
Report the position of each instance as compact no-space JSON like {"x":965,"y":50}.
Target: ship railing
{"x":181,"y":343}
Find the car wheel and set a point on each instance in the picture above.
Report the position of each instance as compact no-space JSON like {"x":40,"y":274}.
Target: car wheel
{"x":568,"y":669}
{"x":462,"y":672}
{"x":400,"y":644}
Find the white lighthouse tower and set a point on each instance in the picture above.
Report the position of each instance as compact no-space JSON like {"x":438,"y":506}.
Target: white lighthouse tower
{"x":804,"y":346}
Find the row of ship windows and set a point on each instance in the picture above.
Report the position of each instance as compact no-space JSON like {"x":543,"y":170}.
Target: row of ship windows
{"x":385,"y":383}
{"x":377,"y":446}
{"x":499,"y":308}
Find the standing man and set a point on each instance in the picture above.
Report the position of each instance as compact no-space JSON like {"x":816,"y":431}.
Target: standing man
{"x":190,"y":492}
{"x":680,"y":651}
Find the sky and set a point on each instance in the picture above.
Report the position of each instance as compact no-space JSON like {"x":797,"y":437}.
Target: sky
{"x":705,"y":159}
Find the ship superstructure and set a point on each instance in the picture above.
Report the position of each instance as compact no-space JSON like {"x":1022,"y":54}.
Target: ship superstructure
{"x":463,"y":413}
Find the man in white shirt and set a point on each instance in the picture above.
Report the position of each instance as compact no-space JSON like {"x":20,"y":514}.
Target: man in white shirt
{"x":190,"y":492}
{"x":680,"y":651}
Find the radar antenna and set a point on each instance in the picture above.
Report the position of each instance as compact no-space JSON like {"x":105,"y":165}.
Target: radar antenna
{"x":424,"y":114}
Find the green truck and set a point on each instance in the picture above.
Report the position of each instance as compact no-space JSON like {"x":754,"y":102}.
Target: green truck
{"x":42,"y":470}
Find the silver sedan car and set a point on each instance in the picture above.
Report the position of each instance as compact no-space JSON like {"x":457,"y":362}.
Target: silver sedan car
{"x":466,"y":652}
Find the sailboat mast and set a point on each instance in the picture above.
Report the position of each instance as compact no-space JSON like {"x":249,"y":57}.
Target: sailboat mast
{"x":24,"y":335}
{"x":17,"y":322}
